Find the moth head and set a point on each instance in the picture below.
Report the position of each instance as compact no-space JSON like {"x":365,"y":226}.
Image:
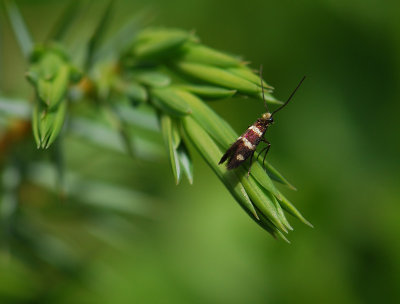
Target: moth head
{"x":267,"y":117}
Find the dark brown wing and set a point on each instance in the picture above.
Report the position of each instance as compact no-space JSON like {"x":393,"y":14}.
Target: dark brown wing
{"x":229,"y":152}
{"x":236,"y":154}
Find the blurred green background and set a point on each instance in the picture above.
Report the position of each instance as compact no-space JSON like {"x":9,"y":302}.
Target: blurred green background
{"x":338,"y":142}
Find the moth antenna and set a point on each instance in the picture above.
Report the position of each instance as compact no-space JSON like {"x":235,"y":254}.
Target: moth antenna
{"x":262,"y":88}
{"x":290,"y":97}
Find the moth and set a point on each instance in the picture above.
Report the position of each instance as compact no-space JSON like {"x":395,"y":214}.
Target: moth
{"x":246,"y":144}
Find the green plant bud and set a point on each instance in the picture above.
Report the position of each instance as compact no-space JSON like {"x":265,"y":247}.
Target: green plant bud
{"x":197,"y":53}
{"x":259,"y":198}
{"x":152,"y":78}
{"x":50,"y":74}
{"x":169,"y":101}
{"x":208,"y":92}
{"x":248,"y":74}
{"x":51,"y":92}
{"x":154,"y":43}
{"x":219,"y":77}
{"x":49,"y":65}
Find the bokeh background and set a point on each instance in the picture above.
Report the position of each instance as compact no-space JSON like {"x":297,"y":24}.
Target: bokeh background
{"x":338,"y":142}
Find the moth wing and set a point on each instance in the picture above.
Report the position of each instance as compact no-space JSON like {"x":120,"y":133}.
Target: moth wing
{"x":231,"y":151}
{"x":241,"y":154}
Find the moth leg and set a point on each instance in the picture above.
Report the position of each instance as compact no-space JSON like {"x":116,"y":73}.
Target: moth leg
{"x":266,"y":151}
{"x":261,"y":152}
{"x":265,"y":148}
{"x":251,"y":163}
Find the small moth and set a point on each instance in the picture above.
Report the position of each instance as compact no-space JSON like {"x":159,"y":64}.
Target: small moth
{"x":245,"y":146}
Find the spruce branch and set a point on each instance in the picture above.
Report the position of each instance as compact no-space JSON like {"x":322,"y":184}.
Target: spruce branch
{"x":172,"y":73}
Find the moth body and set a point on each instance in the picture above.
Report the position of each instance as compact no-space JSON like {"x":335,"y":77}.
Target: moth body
{"x":246,"y":144}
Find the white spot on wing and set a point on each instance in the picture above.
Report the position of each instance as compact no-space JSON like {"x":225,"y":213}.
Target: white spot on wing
{"x":239,"y":157}
{"x":248,"y":144}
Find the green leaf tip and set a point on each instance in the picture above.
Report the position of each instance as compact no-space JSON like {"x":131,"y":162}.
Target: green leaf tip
{"x":208,"y":92}
{"x":218,"y":76}
{"x":185,"y":161}
{"x":156,"y":43}
{"x":198,"y":53}
{"x":172,"y":140}
{"x":288,"y":206}
{"x":47,"y":124}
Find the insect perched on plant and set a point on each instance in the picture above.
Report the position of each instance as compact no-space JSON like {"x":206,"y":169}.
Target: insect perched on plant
{"x":245,"y":146}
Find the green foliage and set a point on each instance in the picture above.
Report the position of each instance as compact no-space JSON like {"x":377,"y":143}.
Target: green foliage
{"x":114,"y":229}
{"x":170,"y":72}
{"x":22,"y":33}
{"x":51,"y":74}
